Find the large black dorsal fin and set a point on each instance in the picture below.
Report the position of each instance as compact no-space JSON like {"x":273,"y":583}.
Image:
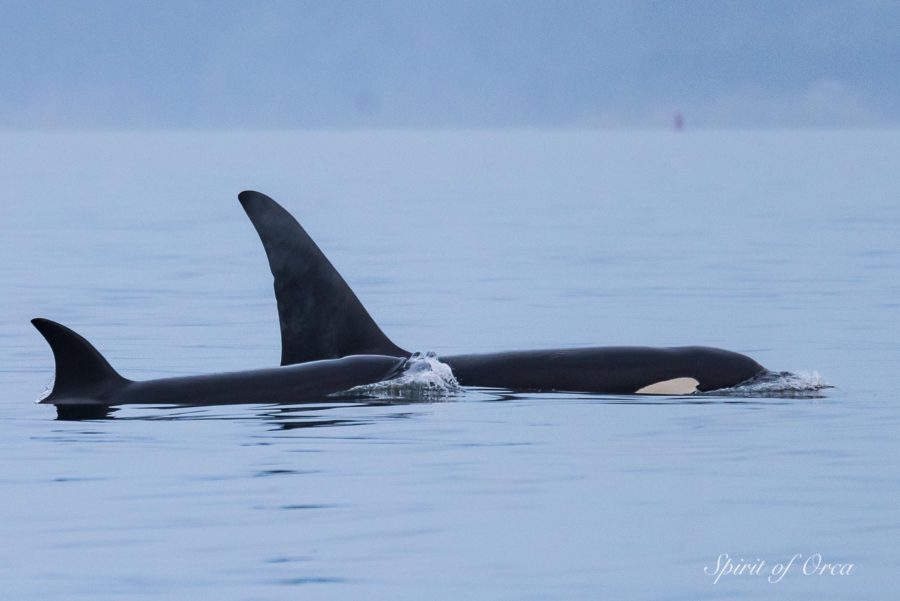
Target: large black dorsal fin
{"x":321,"y":317}
{"x":81,"y":371}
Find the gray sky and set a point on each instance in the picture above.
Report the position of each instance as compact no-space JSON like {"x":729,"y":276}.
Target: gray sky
{"x":422,"y":63}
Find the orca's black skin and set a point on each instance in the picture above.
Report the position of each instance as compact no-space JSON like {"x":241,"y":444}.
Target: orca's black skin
{"x":86,"y":385}
{"x":322,"y":318}
{"x":604,"y":369}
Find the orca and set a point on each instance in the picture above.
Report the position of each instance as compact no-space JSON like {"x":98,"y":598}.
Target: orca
{"x":85,"y":384}
{"x":321,"y":318}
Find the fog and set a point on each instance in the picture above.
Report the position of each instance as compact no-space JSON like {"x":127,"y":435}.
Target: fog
{"x":461,"y":64}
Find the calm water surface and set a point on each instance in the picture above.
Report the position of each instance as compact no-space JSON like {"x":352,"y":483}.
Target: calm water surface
{"x":780,"y":245}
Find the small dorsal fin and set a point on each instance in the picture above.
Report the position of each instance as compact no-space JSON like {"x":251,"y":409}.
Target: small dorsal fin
{"x":80,"y":368}
{"x":320,"y":316}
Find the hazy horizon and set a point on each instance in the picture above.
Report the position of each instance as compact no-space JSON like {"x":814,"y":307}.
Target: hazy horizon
{"x":455,"y":65}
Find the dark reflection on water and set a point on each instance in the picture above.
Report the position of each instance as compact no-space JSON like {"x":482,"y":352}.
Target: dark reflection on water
{"x":284,"y":424}
{"x":282,"y":472}
{"x":77,"y":413}
{"x":281,"y":417}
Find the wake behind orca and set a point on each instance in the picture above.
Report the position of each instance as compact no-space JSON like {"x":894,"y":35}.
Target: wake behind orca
{"x":321,"y":318}
{"x":87,"y":386}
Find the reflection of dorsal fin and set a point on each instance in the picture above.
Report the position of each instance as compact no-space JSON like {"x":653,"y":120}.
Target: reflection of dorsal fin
{"x":320,"y":316}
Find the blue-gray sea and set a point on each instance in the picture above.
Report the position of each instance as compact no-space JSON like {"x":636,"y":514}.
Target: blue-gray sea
{"x":781,"y":245}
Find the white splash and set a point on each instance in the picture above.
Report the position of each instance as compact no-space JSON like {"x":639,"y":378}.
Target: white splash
{"x":48,"y":389}
{"x":779,"y":384}
{"x":424,"y":377}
